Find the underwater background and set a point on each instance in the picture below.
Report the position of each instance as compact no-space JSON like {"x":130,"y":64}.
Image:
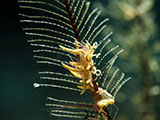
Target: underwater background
{"x":135,"y":24}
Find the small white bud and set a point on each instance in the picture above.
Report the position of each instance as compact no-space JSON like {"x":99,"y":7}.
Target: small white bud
{"x":95,"y":45}
{"x":36,"y":85}
{"x":98,"y":55}
{"x":88,"y":3}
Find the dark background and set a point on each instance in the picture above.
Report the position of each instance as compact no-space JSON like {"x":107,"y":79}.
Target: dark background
{"x":19,"y":100}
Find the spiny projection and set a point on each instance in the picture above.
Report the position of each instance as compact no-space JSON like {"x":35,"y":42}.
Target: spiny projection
{"x":68,"y":45}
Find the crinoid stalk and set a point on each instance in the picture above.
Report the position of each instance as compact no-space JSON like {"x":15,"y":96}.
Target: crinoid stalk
{"x":74,"y":59}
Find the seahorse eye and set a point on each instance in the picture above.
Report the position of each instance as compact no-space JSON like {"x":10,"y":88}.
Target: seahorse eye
{"x":98,"y":72}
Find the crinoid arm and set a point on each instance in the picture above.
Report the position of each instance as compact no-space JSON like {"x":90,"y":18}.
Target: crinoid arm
{"x":84,"y":88}
{"x":90,"y":54}
{"x":73,"y":57}
{"x":71,"y":68}
{"x":76,"y":51}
